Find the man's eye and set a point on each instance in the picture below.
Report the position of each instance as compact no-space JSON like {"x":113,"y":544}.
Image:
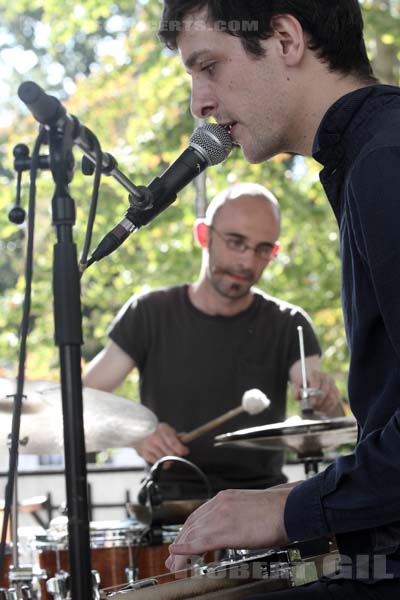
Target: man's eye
{"x":209,"y":68}
{"x":235,"y":243}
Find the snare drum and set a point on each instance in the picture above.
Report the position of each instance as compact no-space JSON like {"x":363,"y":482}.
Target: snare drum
{"x":121,"y":551}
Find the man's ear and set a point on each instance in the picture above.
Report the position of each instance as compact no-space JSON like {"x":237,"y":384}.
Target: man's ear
{"x":201,"y":233}
{"x":290,"y":34}
{"x":275,"y":251}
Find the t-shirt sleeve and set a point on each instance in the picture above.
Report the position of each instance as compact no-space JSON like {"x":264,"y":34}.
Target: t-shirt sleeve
{"x":128,"y":330}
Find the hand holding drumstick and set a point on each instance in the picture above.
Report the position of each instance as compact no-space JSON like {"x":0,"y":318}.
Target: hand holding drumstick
{"x":167,"y":441}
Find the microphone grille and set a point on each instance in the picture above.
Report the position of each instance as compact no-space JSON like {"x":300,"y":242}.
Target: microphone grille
{"x":213,"y":141}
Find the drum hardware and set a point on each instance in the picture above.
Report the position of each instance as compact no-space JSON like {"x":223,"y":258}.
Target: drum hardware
{"x":22,"y":580}
{"x":234,"y":554}
{"x":132,"y":571}
{"x":150,"y":493}
{"x":152,"y":510}
{"x":156,"y":514}
{"x":96,"y":584}
{"x":110,"y":421}
{"x":121,"y":551}
{"x":275,"y":568}
{"x":306,"y":392}
{"x":58,"y":586}
{"x":28,"y":577}
{"x":311,"y":464}
{"x":170,"y":512}
{"x":8,"y":594}
{"x":26,"y":593}
{"x":32,"y":505}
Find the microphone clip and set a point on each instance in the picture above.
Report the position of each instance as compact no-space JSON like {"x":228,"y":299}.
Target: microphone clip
{"x":22,"y":162}
{"x":143,"y":200}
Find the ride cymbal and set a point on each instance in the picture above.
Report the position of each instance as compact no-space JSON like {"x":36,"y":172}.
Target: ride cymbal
{"x":307,"y":437}
{"x":110,"y":421}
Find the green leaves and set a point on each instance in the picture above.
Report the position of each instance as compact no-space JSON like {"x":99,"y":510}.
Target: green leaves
{"x":135,"y":96}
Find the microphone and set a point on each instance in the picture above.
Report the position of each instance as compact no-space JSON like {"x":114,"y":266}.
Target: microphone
{"x":46,"y":109}
{"x":209,"y":145}
{"x":49,"y":111}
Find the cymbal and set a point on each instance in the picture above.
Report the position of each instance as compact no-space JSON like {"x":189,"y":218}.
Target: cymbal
{"x":169,"y":512}
{"x":29,"y":505}
{"x":307,"y":437}
{"x":109,"y":420}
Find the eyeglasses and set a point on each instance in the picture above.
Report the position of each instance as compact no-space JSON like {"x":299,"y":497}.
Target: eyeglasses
{"x":264,"y":251}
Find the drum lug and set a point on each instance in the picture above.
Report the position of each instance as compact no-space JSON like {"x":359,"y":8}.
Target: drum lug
{"x":26,"y":580}
{"x":96,"y":585}
{"x":58,"y":585}
{"x":10,"y":594}
{"x":131,"y":574}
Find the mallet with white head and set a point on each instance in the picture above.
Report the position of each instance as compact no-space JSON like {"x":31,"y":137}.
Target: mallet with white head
{"x":253,"y":402}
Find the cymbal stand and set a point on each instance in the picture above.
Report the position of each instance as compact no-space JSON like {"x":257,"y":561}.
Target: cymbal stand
{"x":307,"y":410}
{"x":310,"y":462}
{"x":21,"y":578}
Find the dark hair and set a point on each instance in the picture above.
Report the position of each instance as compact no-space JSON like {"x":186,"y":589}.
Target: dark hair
{"x":334,"y":27}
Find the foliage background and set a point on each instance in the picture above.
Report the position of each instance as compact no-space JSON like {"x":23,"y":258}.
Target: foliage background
{"x":103,"y":60}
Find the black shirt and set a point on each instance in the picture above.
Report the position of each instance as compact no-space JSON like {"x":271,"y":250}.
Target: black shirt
{"x":194,"y":366}
{"x":358,"y":143}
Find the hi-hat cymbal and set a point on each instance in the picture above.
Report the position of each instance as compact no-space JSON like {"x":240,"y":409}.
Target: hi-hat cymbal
{"x":307,"y":437}
{"x":110,"y":421}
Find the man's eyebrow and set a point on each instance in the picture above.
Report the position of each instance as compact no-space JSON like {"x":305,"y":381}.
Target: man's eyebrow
{"x":194,"y":58}
{"x":245,"y":238}
{"x":234,"y":233}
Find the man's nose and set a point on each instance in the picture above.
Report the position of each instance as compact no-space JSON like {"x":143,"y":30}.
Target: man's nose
{"x":203,"y":102}
{"x":248,"y":259}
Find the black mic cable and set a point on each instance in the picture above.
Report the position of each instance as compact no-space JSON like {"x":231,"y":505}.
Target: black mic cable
{"x":149,"y":488}
{"x":17,"y":409}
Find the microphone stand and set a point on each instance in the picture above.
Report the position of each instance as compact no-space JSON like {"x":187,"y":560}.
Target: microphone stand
{"x":69,"y":338}
{"x":63,"y":132}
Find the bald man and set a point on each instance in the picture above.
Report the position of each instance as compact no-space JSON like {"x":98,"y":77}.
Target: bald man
{"x":199,"y":346}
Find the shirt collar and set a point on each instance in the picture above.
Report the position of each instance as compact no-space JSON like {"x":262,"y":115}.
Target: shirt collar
{"x":328,"y":148}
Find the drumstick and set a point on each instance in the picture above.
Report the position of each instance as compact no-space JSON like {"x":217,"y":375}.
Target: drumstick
{"x":253,"y":402}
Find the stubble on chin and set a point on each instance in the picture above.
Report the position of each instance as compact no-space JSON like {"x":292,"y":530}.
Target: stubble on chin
{"x":233,"y":291}
{"x":259,"y":150}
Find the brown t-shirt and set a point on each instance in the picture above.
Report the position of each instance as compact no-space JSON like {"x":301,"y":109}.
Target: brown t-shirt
{"x":194,"y":367}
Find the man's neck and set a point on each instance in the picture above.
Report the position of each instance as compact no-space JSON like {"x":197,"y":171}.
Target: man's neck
{"x":207,"y":299}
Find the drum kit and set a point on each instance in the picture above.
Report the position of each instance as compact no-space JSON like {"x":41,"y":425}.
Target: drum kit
{"x":128,"y":556}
